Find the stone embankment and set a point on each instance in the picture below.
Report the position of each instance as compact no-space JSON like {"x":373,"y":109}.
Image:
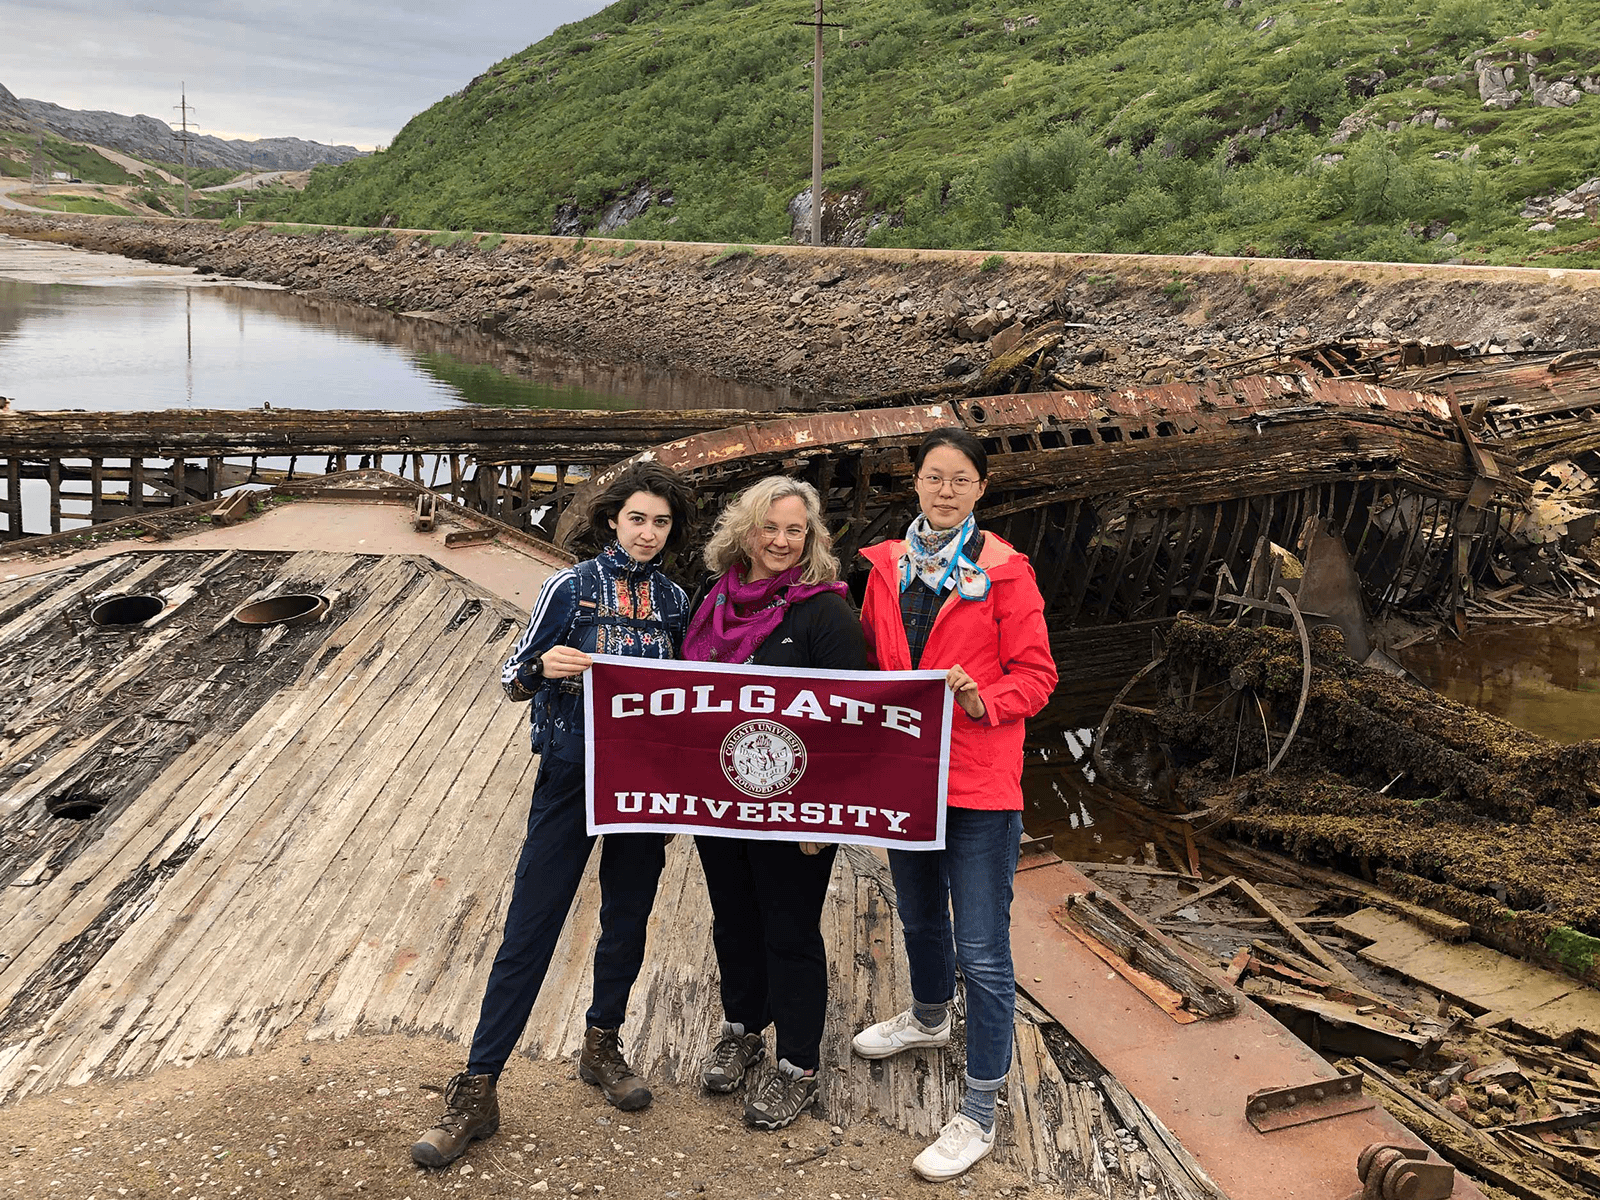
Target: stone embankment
{"x":849,"y":322}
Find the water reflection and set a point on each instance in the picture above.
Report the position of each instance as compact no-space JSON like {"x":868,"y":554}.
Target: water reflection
{"x":1545,"y":679}
{"x":143,"y":346}
{"x":1062,"y":798}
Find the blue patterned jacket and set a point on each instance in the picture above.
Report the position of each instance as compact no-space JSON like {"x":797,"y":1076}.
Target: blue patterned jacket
{"x":607,"y":604}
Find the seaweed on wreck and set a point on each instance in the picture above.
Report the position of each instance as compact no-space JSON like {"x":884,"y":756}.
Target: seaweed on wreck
{"x":1438,"y":802}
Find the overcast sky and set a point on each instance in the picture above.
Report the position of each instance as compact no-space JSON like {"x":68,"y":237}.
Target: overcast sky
{"x":338,"y":71}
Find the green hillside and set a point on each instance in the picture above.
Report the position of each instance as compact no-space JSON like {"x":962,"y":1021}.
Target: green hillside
{"x":1298,"y":128}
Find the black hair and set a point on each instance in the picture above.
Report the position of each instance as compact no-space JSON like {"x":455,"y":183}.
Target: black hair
{"x":649,"y":477}
{"x":956,"y":438}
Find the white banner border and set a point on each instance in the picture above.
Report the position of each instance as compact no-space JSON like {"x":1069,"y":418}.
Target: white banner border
{"x":751,"y":670}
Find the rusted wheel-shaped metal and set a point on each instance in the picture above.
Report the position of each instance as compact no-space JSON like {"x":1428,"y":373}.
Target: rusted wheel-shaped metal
{"x":1229,"y":701}
{"x":1101,"y":760}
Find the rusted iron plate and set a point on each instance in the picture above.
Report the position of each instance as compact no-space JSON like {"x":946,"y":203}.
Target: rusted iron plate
{"x":1284,"y":1107}
{"x":1195,"y":1077}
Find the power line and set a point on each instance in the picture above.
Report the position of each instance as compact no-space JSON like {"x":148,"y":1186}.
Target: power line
{"x":186,"y":137}
{"x":819,"y":25}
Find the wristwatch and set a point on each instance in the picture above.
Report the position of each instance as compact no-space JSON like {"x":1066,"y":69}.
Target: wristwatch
{"x":536,"y":667}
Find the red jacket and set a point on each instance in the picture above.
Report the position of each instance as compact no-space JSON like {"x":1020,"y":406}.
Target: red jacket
{"x":1002,"y":643}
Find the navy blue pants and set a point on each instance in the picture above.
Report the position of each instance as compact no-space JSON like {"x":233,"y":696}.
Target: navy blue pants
{"x":548,"y":873}
{"x":766,"y":904}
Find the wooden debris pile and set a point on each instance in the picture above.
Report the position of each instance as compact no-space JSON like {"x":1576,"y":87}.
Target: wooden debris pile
{"x":1435,"y":801}
{"x":1493,"y":1062}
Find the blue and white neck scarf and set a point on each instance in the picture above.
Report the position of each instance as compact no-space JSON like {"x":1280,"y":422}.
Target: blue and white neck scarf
{"x":936,"y":557}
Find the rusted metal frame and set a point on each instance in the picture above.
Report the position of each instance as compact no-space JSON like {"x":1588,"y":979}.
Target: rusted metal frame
{"x":14,"y":499}
{"x":1387,"y":598}
{"x":1246,"y":508}
{"x":1489,"y":535}
{"x":1114,"y":579}
{"x":1452,"y":547}
{"x":1414,"y":553}
{"x":1132,"y":607}
{"x":1293,"y":503}
{"x":1197,"y":577}
{"x":1372,"y":506}
{"x":1176,"y":565}
{"x":1040,"y":520}
{"x":1354,"y":485}
{"x":1052,"y":575}
{"x":1092,"y":554}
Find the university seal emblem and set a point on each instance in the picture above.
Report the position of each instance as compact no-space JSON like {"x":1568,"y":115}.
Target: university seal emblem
{"x":763,"y":758}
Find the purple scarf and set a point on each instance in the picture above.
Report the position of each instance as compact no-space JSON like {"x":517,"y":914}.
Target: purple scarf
{"x":736,"y":617}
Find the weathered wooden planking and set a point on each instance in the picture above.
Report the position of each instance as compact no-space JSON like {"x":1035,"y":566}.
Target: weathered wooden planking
{"x":1478,"y":978}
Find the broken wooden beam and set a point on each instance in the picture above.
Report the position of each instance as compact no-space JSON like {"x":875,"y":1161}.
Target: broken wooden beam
{"x":1122,"y":934}
{"x":1308,"y":945}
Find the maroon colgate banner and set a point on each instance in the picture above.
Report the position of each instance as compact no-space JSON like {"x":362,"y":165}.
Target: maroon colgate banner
{"x":767,"y":752}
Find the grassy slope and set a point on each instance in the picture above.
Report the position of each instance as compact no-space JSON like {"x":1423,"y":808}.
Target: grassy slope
{"x":1102,"y":125}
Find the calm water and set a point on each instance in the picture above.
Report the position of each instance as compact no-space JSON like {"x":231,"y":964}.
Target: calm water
{"x":117,"y":345}
{"x":1545,"y":680}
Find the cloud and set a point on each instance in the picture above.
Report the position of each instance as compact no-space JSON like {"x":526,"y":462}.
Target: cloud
{"x":350,"y":71}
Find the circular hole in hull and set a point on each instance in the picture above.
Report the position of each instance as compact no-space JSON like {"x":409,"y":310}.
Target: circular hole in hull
{"x":74,"y":807}
{"x":282,"y":610}
{"x":126,"y":610}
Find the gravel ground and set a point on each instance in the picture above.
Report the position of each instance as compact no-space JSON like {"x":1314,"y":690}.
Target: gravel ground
{"x":336,"y":1121}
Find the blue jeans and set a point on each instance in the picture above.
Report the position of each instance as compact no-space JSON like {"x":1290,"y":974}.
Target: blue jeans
{"x":971,"y":876}
{"x":548,"y":874}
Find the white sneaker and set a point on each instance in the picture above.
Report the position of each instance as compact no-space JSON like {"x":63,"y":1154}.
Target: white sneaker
{"x":962,"y":1142}
{"x":903,"y":1032}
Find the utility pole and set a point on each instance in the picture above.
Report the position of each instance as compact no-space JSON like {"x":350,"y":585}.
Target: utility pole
{"x":819,"y":25}
{"x":184,"y":137}
{"x":41,"y":172}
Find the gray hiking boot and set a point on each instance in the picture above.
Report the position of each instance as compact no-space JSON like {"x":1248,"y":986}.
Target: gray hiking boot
{"x":780,"y":1096}
{"x":734,"y":1054}
{"x":470,"y":1112}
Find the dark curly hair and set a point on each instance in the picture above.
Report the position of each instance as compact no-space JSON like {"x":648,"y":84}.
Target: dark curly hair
{"x":649,"y":477}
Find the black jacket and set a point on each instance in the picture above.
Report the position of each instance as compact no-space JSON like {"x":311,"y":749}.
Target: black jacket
{"x":823,"y":633}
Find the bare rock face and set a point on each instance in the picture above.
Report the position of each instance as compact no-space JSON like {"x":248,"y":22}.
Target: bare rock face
{"x":12,"y":114}
{"x":1494,"y":85}
{"x":150,"y":138}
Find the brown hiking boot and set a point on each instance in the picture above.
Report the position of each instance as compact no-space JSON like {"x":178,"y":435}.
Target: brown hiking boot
{"x":470,"y":1112}
{"x":601,"y":1063}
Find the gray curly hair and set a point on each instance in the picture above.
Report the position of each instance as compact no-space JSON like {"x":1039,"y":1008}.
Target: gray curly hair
{"x":739,"y":522}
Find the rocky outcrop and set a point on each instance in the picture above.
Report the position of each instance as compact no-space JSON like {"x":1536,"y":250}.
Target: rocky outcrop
{"x":147,"y":137}
{"x":1582,"y":201}
{"x":841,"y":322}
{"x":12,"y":114}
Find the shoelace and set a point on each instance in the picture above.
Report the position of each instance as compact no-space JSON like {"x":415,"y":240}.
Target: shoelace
{"x":771,"y":1091}
{"x":956,"y":1134}
{"x":609,"y":1051}
{"x":455,"y":1113}
{"x":727,"y":1054}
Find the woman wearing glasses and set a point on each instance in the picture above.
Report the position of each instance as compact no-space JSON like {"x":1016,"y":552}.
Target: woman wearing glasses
{"x":952,"y":597}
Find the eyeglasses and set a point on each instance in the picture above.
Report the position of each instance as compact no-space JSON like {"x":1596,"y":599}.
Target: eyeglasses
{"x":960,"y":485}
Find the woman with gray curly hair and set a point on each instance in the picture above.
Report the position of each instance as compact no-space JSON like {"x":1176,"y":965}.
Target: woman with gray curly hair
{"x":775,"y":600}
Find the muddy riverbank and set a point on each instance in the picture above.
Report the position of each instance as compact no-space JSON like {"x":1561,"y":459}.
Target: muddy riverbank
{"x":844,"y":322}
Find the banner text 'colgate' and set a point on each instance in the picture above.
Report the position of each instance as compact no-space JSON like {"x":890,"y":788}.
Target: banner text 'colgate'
{"x":767,"y":752}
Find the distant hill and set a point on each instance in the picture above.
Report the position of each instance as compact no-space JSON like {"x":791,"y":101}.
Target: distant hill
{"x":12,"y":114}
{"x":1362,"y":129}
{"x":148,"y":138}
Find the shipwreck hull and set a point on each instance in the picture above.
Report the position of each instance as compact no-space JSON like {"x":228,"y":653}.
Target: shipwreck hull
{"x":1140,"y":505}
